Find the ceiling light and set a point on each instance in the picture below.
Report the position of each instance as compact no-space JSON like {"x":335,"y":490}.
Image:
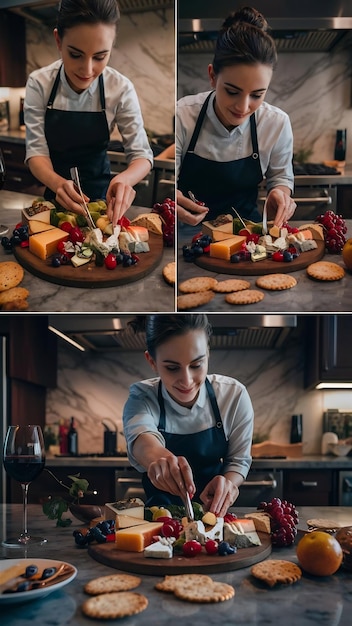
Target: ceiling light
{"x":334,"y":386}
{"x":67,"y":338}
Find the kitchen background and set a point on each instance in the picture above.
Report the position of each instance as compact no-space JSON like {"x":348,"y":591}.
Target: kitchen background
{"x":93,"y":386}
{"x":144,"y":52}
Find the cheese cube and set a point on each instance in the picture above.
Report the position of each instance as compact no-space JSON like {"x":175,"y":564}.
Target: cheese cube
{"x":44,"y":244}
{"x":224,"y":249}
{"x":138,"y":538}
{"x":261,"y":521}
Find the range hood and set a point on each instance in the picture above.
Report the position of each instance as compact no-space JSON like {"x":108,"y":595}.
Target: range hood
{"x":109,"y":333}
{"x":296,"y":25}
{"x":45,"y":11}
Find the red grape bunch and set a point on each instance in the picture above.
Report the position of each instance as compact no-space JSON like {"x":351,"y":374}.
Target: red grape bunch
{"x":166,"y":210}
{"x":335,"y":230}
{"x":284,"y":519}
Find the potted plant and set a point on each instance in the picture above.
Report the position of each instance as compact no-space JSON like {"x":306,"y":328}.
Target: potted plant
{"x":55,"y":506}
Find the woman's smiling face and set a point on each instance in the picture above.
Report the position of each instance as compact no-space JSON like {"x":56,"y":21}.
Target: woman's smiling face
{"x":239,"y":91}
{"x":182,"y":364}
{"x":85,"y":51}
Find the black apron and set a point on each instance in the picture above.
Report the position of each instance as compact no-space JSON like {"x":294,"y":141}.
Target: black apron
{"x":79,"y":139}
{"x":204,"y":452}
{"x":222,"y":185}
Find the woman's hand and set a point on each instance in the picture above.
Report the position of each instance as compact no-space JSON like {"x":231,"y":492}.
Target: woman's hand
{"x":119,"y":198}
{"x":219,"y":494}
{"x":172,"y":474}
{"x":280,"y":206}
{"x":188,"y":211}
{"x":68,"y":197}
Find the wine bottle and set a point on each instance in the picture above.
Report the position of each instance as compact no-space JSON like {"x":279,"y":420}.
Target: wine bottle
{"x":72,"y":439}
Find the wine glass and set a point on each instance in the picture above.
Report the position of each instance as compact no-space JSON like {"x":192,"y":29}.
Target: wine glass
{"x":24,"y":460}
{"x":2,"y":169}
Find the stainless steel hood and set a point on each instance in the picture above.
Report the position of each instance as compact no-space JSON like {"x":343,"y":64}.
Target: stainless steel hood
{"x":296,"y":25}
{"x":109,"y":333}
{"x":45,"y":11}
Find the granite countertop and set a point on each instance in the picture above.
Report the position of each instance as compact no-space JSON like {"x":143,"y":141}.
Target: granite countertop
{"x":306,"y":296}
{"x":148,"y":294}
{"x":310,"y":601}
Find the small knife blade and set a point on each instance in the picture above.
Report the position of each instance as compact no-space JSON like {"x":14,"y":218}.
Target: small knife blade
{"x":188,"y":507}
{"x":265,"y":219}
{"x":75,"y":178}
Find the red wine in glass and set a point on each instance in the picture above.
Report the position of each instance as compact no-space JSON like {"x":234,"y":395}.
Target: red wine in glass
{"x":24,"y":460}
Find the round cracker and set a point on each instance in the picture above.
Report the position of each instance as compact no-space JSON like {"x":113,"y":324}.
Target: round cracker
{"x":325,"y":270}
{"x":193,"y":300}
{"x":15,"y":305}
{"x":276,"y":282}
{"x":274,"y":572}
{"x":206,"y":593}
{"x":326,"y":524}
{"x":111,"y":583}
{"x":169,"y":273}
{"x":15,"y":293}
{"x":11,"y":274}
{"x":231,"y":284}
{"x":199,"y":283}
{"x":113,"y":605}
{"x":170,"y":582}
{"x":247,"y":296}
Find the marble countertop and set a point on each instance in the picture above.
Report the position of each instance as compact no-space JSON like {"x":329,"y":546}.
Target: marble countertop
{"x":312,"y":600}
{"x":148,"y":294}
{"x":306,"y":297}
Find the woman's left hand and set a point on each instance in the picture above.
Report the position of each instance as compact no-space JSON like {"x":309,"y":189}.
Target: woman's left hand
{"x":219,"y":494}
{"x":119,"y":198}
{"x":281,"y":205}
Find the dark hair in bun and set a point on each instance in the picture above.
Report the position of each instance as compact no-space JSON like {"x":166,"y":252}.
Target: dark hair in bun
{"x":75,"y":12}
{"x":243,"y":39}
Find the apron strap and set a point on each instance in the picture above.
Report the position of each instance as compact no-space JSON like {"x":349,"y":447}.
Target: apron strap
{"x":199,"y":123}
{"x":254,"y":137}
{"x":102,"y":92}
{"x":213,"y":402}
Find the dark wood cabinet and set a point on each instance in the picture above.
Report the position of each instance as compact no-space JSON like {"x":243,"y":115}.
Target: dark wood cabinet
{"x":344,"y":201}
{"x":12,"y":50}
{"x":310,"y":487}
{"x":18,"y":176}
{"x":32,"y":351}
{"x":329,"y":354}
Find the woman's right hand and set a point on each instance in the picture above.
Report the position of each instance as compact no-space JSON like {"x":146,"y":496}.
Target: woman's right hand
{"x":172,"y":474}
{"x":188,"y":211}
{"x":69,"y":198}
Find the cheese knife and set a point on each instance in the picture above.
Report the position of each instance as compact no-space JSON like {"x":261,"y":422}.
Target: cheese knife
{"x":188,"y":507}
{"x":265,"y":218}
{"x":239,"y":217}
{"x":76,"y":181}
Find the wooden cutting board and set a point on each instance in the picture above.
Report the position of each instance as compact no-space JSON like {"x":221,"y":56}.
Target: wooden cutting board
{"x":135,"y":562}
{"x":90,"y":275}
{"x":267,"y":266}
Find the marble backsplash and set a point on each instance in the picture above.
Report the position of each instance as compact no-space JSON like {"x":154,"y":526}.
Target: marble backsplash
{"x":313,"y":88}
{"x":94,"y":387}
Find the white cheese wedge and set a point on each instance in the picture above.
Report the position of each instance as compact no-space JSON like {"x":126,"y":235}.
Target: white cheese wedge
{"x":158,"y":550}
{"x":77,"y":261}
{"x":196,"y":531}
{"x":307,"y":244}
{"x":112,"y":241}
{"x":280,"y":243}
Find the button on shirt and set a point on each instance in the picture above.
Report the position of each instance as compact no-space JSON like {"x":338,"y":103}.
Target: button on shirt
{"x":215,"y":142}
{"x":141,"y":415}
{"x":122,"y":109}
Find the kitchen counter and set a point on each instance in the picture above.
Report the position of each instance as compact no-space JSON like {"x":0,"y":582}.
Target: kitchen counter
{"x":148,"y":294}
{"x":306,"y":296}
{"x":310,"y":601}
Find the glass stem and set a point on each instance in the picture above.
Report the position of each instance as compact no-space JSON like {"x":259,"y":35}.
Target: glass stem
{"x":24,"y":535}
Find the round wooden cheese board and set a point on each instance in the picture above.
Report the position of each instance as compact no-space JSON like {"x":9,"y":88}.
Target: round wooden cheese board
{"x":137,"y":563}
{"x":89,"y":275}
{"x":267,"y":266}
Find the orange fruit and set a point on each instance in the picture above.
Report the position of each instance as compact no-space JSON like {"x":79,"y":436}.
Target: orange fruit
{"x":319,"y":553}
{"x":347,"y":254}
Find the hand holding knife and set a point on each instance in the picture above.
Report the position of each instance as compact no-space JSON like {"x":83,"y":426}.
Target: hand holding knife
{"x":76,"y":181}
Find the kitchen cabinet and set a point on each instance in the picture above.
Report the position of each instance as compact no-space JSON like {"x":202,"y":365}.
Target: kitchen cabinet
{"x":18,"y":176}
{"x":344,"y":200}
{"x":310,"y":487}
{"x":329,"y":355}
{"x":12,"y":50}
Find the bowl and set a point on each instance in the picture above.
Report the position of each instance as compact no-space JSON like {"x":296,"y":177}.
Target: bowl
{"x":339,"y":449}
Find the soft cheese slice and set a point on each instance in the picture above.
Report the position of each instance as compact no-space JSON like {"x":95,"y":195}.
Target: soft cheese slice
{"x":127,"y":521}
{"x":316,"y":230}
{"x":133,"y":507}
{"x":158,"y":550}
{"x":138,"y":538}
{"x":224,"y":249}
{"x":261,"y":521}
{"x":196,"y":530}
{"x":36,"y":226}
{"x":44,"y":244}
{"x":42,"y":216}
{"x":140,"y":233}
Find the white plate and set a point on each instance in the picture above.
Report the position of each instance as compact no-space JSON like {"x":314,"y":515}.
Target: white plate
{"x":26,"y":596}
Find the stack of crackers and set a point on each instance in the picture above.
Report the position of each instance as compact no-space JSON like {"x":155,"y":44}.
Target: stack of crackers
{"x":12,"y":297}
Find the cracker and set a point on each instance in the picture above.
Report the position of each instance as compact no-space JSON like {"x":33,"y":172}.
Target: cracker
{"x":169,"y":273}
{"x":232,"y":284}
{"x":113,"y":605}
{"x":247,"y":296}
{"x":11,"y":274}
{"x":193,"y":300}
{"x":199,"y":283}
{"x":323,"y":524}
{"x":15,"y":293}
{"x":205,"y":593}
{"x":113,"y":582}
{"x":276,"y":282}
{"x":275,"y":572}
{"x":325,"y":270}
{"x":170,"y":582}
{"x":15,"y":305}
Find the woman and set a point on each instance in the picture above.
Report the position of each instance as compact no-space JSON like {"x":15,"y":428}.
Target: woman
{"x":185,"y":429}
{"x":229,"y":138}
{"x":72,"y":106}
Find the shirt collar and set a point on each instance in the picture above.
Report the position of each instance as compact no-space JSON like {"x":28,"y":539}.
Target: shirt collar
{"x":219,"y":127}
{"x":71,"y":92}
{"x":184,"y":410}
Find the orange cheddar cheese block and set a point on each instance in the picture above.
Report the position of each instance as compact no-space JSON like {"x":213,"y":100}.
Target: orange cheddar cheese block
{"x":44,"y":244}
{"x":35,"y":226}
{"x":224,"y":249}
{"x":136,"y":539}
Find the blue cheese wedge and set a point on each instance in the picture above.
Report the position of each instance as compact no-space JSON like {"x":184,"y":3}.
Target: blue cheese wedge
{"x":198,"y":532}
{"x":158,"y":550}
